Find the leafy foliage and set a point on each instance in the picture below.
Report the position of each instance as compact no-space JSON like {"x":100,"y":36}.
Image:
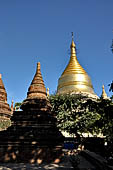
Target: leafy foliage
{"x":4,"y":124}
{"x":17,"y":106}
{"x":75,"y":113}
{"x":106,"y":121}
{"x":111,"y":86}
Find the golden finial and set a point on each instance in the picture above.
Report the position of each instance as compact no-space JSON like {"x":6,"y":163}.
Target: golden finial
{"x":72,"y":35}
{"x":73,"y":47}
{"x":0,"y":76}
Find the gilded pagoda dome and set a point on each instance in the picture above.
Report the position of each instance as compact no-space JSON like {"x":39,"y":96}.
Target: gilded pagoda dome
{"x":74,"y":79}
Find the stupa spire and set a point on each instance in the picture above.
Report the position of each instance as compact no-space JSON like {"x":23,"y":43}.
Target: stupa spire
{"x":37,"y":88}
{"x":73,"y":66}
{"x":72,"y":35}
{"x":73,"y":47}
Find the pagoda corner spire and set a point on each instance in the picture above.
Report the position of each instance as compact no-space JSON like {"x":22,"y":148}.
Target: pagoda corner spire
{"x":104,"y":95}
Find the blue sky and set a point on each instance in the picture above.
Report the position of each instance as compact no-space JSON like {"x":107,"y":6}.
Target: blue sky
{"x":40,"y":30}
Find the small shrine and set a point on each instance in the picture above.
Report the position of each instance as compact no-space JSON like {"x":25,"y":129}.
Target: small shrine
{"x":33,"y":136}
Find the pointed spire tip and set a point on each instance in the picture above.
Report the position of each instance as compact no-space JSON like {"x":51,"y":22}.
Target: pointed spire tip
{"x":103,"y":86}
{"x":38,"y":65}
{"x":73,"y":46}
{"x":72,"y":35}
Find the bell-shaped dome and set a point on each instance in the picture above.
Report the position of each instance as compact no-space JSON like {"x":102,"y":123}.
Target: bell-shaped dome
{"x":74,"y":78}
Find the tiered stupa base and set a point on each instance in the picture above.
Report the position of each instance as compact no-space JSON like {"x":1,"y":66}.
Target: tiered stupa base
{"x":26,"y":152}
{"x":33,"y":136}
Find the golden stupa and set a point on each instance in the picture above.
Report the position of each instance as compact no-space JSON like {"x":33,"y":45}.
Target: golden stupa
{"x":74,"y":79}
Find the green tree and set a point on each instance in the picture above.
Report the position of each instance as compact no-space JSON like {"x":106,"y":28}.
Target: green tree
{"x":106,"y":120}
{"x":75,"y":114}
{"x":17,"y":106}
